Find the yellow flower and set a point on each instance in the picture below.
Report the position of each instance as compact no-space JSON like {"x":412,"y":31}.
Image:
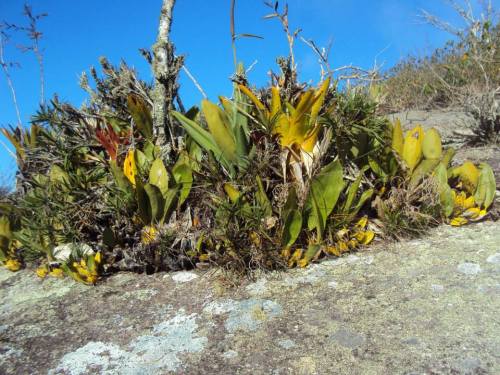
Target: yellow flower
{"x":295,"y":257}
{"x":56,"y":272}
{"x":365,"y":237}
{"x":333,"y":250}
{"x":41,"y":271}
{"x":91,"y":279}
{"x":254,"y":237}
{"x":303,"y":263}
{"x":204,"y":257}
{"x":13,"y":265}
{"x":149,"y":234}
{"x":342,"y":234}
{"x":286,"y":252}
{"x":362,"y":223}
{"x":458,"y":221}
{"x":342,"y":246}
{"x":474,"y":213}
{"x":352,"y":243}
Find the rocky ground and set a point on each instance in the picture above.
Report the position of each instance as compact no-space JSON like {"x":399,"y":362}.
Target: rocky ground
{"x":425,"y":306}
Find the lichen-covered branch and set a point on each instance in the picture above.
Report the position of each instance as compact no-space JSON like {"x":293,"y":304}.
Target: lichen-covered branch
{"x":166,"y":67}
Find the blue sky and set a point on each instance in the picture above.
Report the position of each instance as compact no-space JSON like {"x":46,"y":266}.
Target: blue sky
{"x":77,"y":33}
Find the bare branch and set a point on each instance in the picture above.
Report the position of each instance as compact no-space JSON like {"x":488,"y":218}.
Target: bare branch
{"x":5,"y":67}
{"x":191,"y":77}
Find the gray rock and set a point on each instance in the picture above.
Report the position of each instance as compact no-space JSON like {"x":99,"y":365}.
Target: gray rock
{"x":409,"y":312}
{"x":348,"y":338}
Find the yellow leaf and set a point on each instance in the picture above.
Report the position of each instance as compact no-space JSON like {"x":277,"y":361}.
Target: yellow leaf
{"x":469,"y":175}
{"x":98,"y":257}
{"x":129,"y":167}
{"x":368,"y":237}
{"x":232,"y":192}
{"x":412,"y":147}
{"x":397,"y":138}
{"x":252,"y":97}
{"x":431,"y":146}
{"x":319,"y":99}
{"x":275,"y":101}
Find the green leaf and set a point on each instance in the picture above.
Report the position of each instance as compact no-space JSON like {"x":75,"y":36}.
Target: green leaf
{"x":183,"y":176}
{"x":143,"y":203}
{"x":445,"y":194}
{"x":352,"y":192}
{"x":325,"y":190}
{"x":141,"y":162}
{"x":362,"y":200}
{"x":292,"y":227}
{"x":58,"y":176}
{"x":156,"y":202}
{"x":310,"y":253}
{"x":424,"y":168}
{"x":108,"y":237}
{"x":158,"y":176}
{"x":486,"y":186}
{"x":121,"y":180}
{"x":262,"y":198}
{"x":200,"y":136}
{"x":219,"y":127}
{"x":170,"y":201}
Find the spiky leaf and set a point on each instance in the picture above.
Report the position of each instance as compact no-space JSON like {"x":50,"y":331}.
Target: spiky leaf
{"x":141,"y":114}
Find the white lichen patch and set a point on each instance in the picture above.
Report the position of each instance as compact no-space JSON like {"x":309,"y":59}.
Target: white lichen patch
{"x":333,"y":284}
{"x":468,"y":268}
{"x":494,"y":259}
{"x":230,"y":354}
{"x":29,"y":290}
{"x":156,"y":353}
{"x":140,"y":294}
{"x":286,"y":343}
{"x":7,"y":353}
{"x":184,"y":276}
{"x":257,"y":288}
{"x":246,"y":315}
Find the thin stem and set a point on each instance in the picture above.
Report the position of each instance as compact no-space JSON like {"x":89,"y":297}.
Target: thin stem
{"x":233,"y":33}
{"x":8,"y":78}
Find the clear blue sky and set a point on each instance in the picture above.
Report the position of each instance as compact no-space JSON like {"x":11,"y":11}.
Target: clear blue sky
{"x":77,"y":33}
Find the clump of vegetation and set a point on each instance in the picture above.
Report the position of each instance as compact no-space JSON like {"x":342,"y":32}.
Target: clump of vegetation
{"x":466,"y":67}
{"x":265,"y":179}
